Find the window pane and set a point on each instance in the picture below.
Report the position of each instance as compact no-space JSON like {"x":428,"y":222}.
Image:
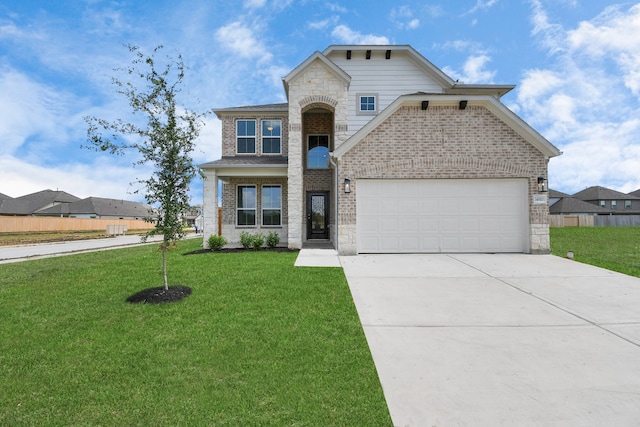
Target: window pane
{"x":318,"y":158}
{"x":271,"y":217}
{"x":246,"y":127}
{"x":246,"y":217}
{"x":271,"y":128}
{"x":246,"y":197}
{"x":271,"y":197}
{"x":271,"y":145}
{"x":367,"y":103}
{"x":246,"y":145}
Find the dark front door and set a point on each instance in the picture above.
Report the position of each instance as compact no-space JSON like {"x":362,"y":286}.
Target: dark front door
{"x":317,"y":215}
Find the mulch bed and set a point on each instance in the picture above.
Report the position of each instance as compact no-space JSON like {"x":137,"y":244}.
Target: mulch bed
{"x":159,"y":295}
{"x":237,"y":250}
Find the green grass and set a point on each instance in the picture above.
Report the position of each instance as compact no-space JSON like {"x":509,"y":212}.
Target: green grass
{"x":258,"y":343}
{"x":613,"y":248}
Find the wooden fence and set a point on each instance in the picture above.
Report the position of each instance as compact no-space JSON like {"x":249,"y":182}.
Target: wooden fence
{"x":594,"y":220}
{"x":21,"y":224}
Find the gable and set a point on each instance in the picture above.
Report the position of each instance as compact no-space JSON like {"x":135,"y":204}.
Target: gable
{"x":501,"y":113}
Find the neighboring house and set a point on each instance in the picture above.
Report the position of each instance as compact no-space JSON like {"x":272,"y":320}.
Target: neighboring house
{"x":377,"y":150}
{"x":613,"y":202}
{"x":570,"y":205}
{"x":35,"y":202}
{"x":635,"y":193}
{"x":98,"y":207}
{"x":556,"y":196}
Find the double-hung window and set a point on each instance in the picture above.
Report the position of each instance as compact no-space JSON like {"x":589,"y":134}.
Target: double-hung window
{"x":627,"y":204}
{"x":246,"y":205}
{"x":271,"y":136}
{"x":614,"y":204}
{"x":246,"y":136}
{"x":271,"y":205}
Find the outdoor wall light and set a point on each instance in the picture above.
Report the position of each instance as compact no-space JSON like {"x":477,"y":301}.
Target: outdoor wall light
{"x":347,"y":185}
{"x":542,"y":185}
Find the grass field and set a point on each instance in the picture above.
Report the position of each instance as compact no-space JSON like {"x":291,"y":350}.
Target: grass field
{"x":258,"y":342}
{"x":614,"y":248}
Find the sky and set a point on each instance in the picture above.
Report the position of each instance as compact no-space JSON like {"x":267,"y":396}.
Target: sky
{"x":575,"y":64}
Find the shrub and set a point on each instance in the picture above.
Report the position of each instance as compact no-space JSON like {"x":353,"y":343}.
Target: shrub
{"x":273,"y":239}
{"x":257,"y":241}
{"x":246,"y":240}
{"x":216,"y":242}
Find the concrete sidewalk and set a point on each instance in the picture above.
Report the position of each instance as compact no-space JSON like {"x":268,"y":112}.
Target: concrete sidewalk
{"x":45,"y":250}
{"x":500,"y":340}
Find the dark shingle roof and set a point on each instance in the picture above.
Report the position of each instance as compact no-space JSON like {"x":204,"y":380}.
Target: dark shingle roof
{"x":100,"y":207}
{"x":278,"y":108}
{"x":35,"y":201}
{"x":246,"y":162}
{"x":5,"y":197}
{"x":602,"y":193}
{"x":635,"y":193}
{"x":557,"y":194}
{"x":572,"y":205}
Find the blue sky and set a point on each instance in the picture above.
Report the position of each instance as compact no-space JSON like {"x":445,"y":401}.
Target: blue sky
{"x":576,"y":65}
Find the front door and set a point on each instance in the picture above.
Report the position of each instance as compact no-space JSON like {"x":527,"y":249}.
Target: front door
{"x":317,"y":215}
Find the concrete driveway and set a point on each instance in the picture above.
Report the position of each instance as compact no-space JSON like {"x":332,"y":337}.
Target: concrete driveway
{"x":500,"y":340}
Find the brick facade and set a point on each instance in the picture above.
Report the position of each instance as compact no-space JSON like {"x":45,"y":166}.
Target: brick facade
{"x":229,"y":132}
{"x":442,"y":142}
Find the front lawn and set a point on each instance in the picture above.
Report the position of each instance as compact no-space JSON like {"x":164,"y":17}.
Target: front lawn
{"x":258,"y":342}
{"x":613,"y":248}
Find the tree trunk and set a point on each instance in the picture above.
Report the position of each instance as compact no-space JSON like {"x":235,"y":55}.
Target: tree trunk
{"x":164,"y":265}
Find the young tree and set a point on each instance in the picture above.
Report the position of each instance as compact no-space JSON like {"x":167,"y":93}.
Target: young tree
{"x":165,"y":141}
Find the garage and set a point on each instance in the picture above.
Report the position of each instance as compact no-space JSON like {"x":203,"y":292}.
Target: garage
{"x":442,"y":215}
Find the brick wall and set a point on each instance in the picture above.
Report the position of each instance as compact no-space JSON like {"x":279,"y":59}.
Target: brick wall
{"x":229,"y":132}
{"x":442,"y":142}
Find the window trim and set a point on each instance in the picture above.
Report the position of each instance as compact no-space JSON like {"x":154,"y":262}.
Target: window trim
{"x":255,"y":136}
{"x":603,"y":203}
{"x":614,"y":204}
{"x":262,"y":137}
{"x":627,"y":204}
{"x":262,"y":208}
{"x":328,"y":150}
{"x":255,"y":209}
{"x":376,"y":103}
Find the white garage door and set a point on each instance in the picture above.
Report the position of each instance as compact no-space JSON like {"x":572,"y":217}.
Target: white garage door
{"x":442,"y":215}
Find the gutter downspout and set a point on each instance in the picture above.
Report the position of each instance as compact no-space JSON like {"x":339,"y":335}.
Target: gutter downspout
{"x":335,"y":195}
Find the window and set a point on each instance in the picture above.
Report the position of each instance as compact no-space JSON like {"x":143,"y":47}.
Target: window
{"x":603,"y":203}
{"x":614,"y":204}
{"x":318,"y":154}
{"x":366,"y":103}
{"x":271,"y":136}
{"x":246,"y":136}
{"x":271,"y":205}
{"x":246,"y":205}
{"x":627,"y":204}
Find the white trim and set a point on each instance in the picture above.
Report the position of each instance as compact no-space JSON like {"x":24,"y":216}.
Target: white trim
{"x":272,"y":209}
{"x":262,"y":137}
{"x":247,"y":209}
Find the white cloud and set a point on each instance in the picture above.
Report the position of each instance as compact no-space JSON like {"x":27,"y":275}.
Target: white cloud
{"x":254,"y":4}
{"x":239,"y":39}
{"x":586,"y":101}
{"x":403,"y":18}
{"x":346,"y":35}
{"x":482,"y":5}
{"x":319,"y":25}
{"x":335,"y":7}
{"x":473,"y":70}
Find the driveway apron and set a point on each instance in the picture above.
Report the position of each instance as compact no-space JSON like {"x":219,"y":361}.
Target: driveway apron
{"x":508,"y":339}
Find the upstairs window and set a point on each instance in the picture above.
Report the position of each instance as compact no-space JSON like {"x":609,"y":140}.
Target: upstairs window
{"x":603,"y":203}
{"x":366,"y":103}
{"x":246,"y":205}
{"x":318,"y":153}
{"x":614,"y":204}
{"x":246,"y":136}
{"x":627,"y":204}
{"x":271,"y":136}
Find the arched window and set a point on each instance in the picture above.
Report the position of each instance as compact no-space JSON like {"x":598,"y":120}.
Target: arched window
{"x":318,"y":152}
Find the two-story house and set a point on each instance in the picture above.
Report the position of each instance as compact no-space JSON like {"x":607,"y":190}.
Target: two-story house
{"x":379,"y":151}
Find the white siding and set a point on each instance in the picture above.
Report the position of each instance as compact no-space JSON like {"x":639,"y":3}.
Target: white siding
{"x":389,"y":78}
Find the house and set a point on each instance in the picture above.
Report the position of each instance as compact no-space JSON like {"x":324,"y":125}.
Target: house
{"x":35,"y":202}
{"x":98,"y":207}
{"x":378,"y":151}
{"x":611,"y":201}
{"x":635,"y":193}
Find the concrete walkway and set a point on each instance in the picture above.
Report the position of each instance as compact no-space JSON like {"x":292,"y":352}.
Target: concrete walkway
{"x":500,"y":340}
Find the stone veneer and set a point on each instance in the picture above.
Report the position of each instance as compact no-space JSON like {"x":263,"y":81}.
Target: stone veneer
{"x":442,"y":142}
{"x":315,"y":85}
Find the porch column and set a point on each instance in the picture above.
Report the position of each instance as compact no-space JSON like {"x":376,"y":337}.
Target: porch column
{"x":210,"y":206}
